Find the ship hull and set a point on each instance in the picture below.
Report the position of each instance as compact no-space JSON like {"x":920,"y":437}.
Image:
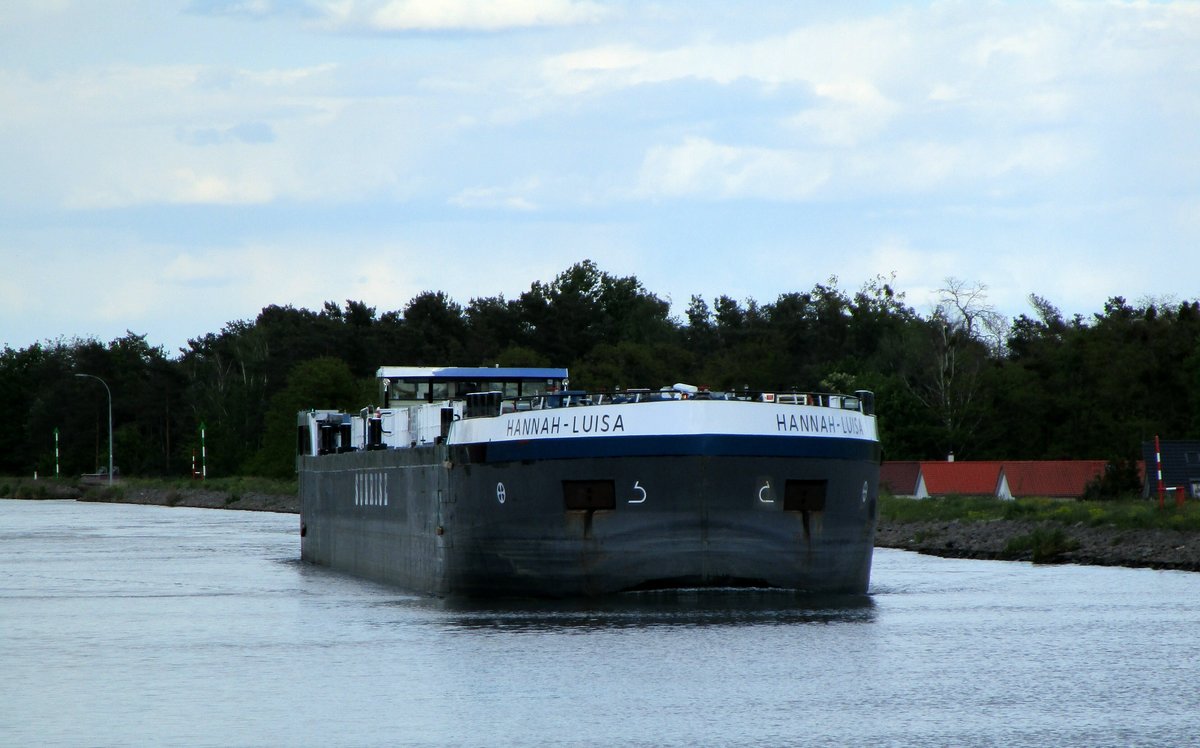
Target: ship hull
{"x":458,"y":520}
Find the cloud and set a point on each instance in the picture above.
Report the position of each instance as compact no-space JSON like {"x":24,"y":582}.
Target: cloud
{"x":1037,"y":128}
{"x":506,"y":198}
{"x":848,"y":112}
{"x":195,"y":269}
{"x":461,"y":15}
{"x":1188,"y":215}
{"x":702,"y":168}
{"x":246,"y":132}
{"x":179,"y":186}
{"x":252,"y":8}
{"x":698,"y":167}
{"x":839,"y":108}
{"x":123,"y":136}
{"x":614,"y":65}
{"x":191,"y":187}
{"x":836,"y":55}
{"x":255,"y":9}
{"x":916,"y":100}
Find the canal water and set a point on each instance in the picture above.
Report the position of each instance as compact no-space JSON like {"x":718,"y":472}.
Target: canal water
{"x":137,"y":625}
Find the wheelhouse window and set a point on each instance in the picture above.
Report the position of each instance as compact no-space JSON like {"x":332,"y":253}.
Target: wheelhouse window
{"x":403,"y":390}
{"x":409,"y":391}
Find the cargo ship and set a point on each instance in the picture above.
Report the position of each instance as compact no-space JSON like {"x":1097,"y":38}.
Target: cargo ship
{"x":488,"y":481}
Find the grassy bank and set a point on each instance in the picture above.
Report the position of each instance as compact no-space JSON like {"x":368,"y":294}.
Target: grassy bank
{"x":1125,"y":514}
{"x":237,"y":492}
{"x":235,"y":486}
{"x":42,"y":488}
{"x":45,"y":488}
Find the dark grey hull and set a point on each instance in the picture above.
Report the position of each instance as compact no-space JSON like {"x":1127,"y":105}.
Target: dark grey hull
{"x":432,"y":521}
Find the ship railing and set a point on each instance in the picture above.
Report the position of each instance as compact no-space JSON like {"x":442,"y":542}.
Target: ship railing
{"x":491,"y":404}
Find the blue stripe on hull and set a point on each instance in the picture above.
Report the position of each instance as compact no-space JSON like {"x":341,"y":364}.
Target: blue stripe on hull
{"x":711,"y":445}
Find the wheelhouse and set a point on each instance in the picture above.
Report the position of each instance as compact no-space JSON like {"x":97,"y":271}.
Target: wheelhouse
{"x":402,"y":386}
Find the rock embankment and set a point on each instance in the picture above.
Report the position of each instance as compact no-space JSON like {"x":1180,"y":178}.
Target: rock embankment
{"x":1078,"y":544}
{"x":198,"y":497}
{"x":1015,"y":540}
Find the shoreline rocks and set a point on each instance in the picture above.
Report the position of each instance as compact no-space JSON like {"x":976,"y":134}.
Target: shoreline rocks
{"x":1071,"y":544}
{"x":200,"y":498}
{"x":1008,"y":540}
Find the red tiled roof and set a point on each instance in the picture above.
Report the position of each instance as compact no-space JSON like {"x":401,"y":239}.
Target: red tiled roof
{"x":900,"y":477}
{"x":1051,"y":478}
{"x":965,"y":478}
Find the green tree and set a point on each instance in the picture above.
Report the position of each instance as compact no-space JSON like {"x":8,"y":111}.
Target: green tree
{"x":316,"y":384}
{"x":435,"y":328}
{"x":1047,"y":387}
{"x":950,"y":354}
{"x":228,"y":384}
{"x":583,"y":306}
{"x":628,"y":364}
{"x":493,"y":325}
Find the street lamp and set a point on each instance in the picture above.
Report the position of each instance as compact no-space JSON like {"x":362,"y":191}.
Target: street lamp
{"x":110,"y":444}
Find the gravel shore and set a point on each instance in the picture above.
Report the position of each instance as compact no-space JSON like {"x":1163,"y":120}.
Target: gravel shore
{"x":994,"y":539}
{"x":132,"y":493}
{"x":201,"y":498}
{"x":1081,"y":544}
{"x":1096,"y":546}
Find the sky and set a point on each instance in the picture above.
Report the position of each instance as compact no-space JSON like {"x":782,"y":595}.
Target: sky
{"x":168,"y":167}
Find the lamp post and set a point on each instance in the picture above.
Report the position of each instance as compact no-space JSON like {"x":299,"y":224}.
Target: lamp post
{"x":110,"y":444}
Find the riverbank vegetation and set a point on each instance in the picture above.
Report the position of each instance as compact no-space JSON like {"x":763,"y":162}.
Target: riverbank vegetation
{"x":1131,"y":531}
{"x":127,"y":489}
{"x":957,"y":378}
{"x":1132,"y":513}
{"x":39,"y":488}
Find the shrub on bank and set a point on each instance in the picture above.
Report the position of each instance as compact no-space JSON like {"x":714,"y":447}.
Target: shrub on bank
{"x":42,"y":488}
{"x":1044,"y":546}
{"x":104,"y":492}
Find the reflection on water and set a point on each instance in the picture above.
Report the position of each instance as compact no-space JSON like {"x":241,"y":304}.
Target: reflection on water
{"x":661,"y":608}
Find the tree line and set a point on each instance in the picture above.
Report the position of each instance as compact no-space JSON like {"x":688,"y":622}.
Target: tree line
{"x":958,"y":379}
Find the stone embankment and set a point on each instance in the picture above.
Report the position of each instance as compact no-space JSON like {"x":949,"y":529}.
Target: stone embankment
{"x":137,"y":493}
{"x":1077,"y":544}
{"x":993,"y":539}
{"x":199,"y":497}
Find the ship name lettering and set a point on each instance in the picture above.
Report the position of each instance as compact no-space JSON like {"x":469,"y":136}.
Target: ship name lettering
{"x":596,"y":424}
{"x":533,"y":426}
{"x":604,"y":423}
{"x":814,"y":424}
